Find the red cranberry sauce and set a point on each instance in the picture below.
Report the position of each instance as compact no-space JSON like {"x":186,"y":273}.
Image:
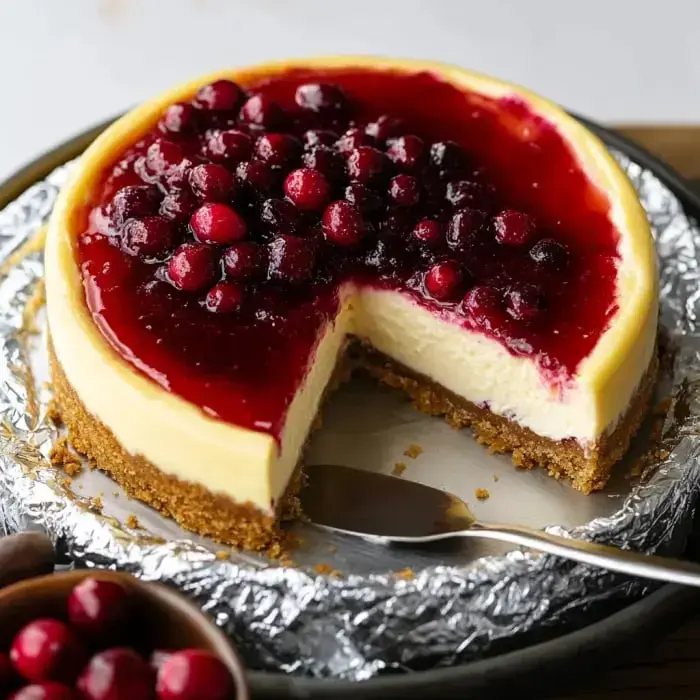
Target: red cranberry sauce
{"x":213,"y":258}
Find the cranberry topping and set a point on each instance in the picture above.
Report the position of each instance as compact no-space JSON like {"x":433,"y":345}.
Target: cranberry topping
{"x":192,"y":267}
{"x":99,"y":608}
{"x":245,"y":261}
{"x":513,"y":227}
{"x":221,"y":95}
{"x":218,"y":224}
{"x":428,"y":232}
{"x":178,"y":119}
{"x":408,"y":199}
{"x":277,"y":149}
{"x":260,"y":111}
{"x":404,"y":190}
{"x":407,"y":152}
{"x":47,"y":649}
{"x":443,"y":281}
{"x":211,"y":182}
{"x":134,"y":201}
{"x":114,"y":674}
{"x":45,"y":691}
{"x":224,"y":297}
{"x":228,"y":146}
{"x":151,"y":237}
{"x":194,"y":674}
{"x":365,"y":164}
{"x":343,"y":224}
{"x":322,"y":98}
{"x":307,"y":189}
{"x":292,"y":259}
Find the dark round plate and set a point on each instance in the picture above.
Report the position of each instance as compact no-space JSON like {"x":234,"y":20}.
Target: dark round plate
{"x":557,"y":661}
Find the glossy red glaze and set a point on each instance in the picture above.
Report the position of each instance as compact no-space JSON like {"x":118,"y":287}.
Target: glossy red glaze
{"x":245,"y":367}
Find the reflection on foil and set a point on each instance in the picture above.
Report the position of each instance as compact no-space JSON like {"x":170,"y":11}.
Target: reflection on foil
{"x":357,"y":626}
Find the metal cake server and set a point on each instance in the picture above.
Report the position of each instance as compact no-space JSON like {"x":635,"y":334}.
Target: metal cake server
{"x":391,"y":511}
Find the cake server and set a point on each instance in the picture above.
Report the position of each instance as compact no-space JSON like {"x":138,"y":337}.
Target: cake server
{"x":393,"y":511}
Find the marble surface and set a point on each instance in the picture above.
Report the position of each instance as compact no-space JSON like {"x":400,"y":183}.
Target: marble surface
{"x":69,"y":64}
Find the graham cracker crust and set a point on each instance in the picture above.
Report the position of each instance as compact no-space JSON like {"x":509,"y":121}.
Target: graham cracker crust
{"x":244,"y":526}
{"x":586,"y":471}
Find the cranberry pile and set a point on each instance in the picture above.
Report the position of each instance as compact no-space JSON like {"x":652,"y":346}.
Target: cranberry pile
{"x":89,"y":657}
{"x":233,"y":191}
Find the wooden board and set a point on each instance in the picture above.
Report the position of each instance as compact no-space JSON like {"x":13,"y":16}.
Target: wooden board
{"x":672,"y":668}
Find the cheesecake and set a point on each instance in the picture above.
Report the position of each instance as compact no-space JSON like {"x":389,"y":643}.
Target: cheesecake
{"x":225,"y":253}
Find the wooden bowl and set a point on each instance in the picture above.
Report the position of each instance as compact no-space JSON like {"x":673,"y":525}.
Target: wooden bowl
{"x":163,"y":618}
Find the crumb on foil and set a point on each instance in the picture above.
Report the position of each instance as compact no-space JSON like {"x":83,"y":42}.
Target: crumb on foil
{"x":482,"y":494}
{"x":399,"y":469}
{"x":413,"y":451}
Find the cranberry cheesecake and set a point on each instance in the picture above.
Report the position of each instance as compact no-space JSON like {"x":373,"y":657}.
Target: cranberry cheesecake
{"x":222,"y":252}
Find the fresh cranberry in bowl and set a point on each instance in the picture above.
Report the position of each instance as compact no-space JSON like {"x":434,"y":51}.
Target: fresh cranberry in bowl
{"x":211,"y":182}
{"x":192,"y":267}
{"x":366,"y":164}
{"x":407,"y":152}
{"x":343,"y":224}
{"x":218,"y":224}
{"x":259,"y":111}
{"x":224,"y":298}
{"x":352,"y":139}
{"x":321,"y":98}
{"x":99,"y":608}
{"x":178,"y":206}
{"x":194,"y":674}
{"x":245,"y":261}
{"x":307,"y":188}
{"x":255,"y":176}
{"x":47,"y":649}
{"x":277,"y":149}
{"x":404,"y":190}
{"x":221,"y":95}
{"x":162,"y":156}
{"x":292,"y":259}
{"x":149,"y":238}
{"x":134,"y":201}
{"x":114,"y":674}
{"x":513,"y":228}
{"x":179,"y":118}
{"x":228,"y":146}
{"x":49,"y":690}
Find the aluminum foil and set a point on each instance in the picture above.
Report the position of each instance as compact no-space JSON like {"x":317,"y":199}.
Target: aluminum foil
{"x":370,"y":620}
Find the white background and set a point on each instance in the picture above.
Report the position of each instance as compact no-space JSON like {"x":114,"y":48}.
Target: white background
{"x":67,"y":64}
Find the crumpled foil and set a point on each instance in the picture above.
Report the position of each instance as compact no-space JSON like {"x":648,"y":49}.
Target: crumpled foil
{"x":356,"y":627}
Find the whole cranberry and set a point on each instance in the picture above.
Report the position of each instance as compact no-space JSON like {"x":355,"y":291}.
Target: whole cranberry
{"x":322,"y":98}
{"x":343,"y":224}
{"x":261,"y":111}
{"x":211,"y":182}
{"x":224,"y":298}
{"x":467,"y":193}
{"x":549,"y":254}
{"x":277,"y":149}
{"x":192,"y":267}
{"x":47,"y":649}
{"x":485,"y":306}
{"x":279,"y":216}
{"x":194,"y":674}
{"x":221,"y":95}
{"x":45,"y":691}
{"x":363,"y":198}
{"x":319,"y":137}
{"x":428,"y":232}
{"x":179,"y":118}
{"x":407,"y":152}
{"x":463,"y":225}
{"x":134,"y":201}
{"x":245,"y":261}
{"x":384,"y":127}
{"x":447,"y":156}
{"x":524,"y":302}
{"x":98,"y":607}
{"x":218,"y":224}
{"x":150,"y":237}
{"x":255,"y":176}
{"x":162,"y":156}
{"x":352,"y":139}
{"x":327,"y":161}
{"x":307,"y":189}
{"x":228,"y":146}
{"x":404,"y":190}
{"x":116,"y":674}
{"x":365,"y":164}
{"x":513,"y":228}
{"x":443,"y":281}
{"x":292,"y":259}
{"x":178,"y":206}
